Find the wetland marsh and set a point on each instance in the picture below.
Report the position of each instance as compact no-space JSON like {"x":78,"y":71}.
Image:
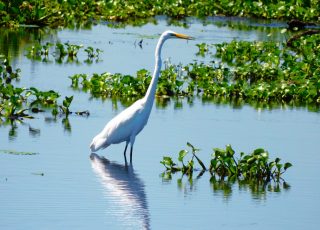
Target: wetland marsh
{"x":50,"y":180}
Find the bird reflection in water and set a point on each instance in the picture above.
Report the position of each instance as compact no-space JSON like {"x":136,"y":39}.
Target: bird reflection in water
{"x":125,"y":190}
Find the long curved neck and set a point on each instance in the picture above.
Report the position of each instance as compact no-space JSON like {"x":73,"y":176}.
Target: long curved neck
{"x":149,"y":97}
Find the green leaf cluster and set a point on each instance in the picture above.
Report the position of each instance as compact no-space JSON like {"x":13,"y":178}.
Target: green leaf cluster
{"x":298,"y":9}
{"x":129,"y":88}
{"x":264,"y":71}
{"x":113,"y":85}
{"x":187,"y":167}
{"x":11,"y":98}
{"x":77,"y":12}
{"x":41,"y":52}
{"x":50,"y":12}
{"x":15,"y":102}
{"x":255,"y":166}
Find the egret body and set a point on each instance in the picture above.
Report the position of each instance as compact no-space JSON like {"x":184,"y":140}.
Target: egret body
{"x":128,"y":124}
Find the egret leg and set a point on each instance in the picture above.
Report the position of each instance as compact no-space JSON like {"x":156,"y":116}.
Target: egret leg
{"x":131,"y":154}
{"x":124,"y":153}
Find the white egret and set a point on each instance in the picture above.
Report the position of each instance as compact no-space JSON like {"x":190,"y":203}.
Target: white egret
{"x":128,"y":124}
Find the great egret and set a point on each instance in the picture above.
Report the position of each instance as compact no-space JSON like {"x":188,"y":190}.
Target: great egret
{"x":128,"y":124}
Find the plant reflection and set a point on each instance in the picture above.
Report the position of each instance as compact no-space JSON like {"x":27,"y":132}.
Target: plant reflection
{"x":125,"y":190}
{"x":257,"y":188}
{"x":13,"y":127}
{"x":225,"y":187}
{"x":66,"y":124}
{"x":13,"y":132}
{"x":33,"y":132}
{"x":14,"y":41}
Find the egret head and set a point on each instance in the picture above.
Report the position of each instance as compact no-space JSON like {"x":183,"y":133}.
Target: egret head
{"x":170,"y":34}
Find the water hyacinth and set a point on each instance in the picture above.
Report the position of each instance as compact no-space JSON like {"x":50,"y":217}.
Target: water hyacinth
{"x":253,"y":172}
{"x":113,"y":85}
{"x":42,"y":52}
{"x":16,"y":103}
{"x":75,"y":12}
{"x":225,"y":164}
{"x":247,"y":72}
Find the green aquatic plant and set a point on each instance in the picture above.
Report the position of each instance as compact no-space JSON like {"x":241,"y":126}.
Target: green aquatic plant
{"x":7,"y":74}
{"x":41,"y":52}
{"x":38,"y":50}
{"x":48,"y":12}
{"x":171,"y":82}
{"x":12,"y":112}
{"x":267,"y":71}
{"x":203,"y":49}
{"x":187,"y":168}
{"x":11,"y":98}
{"x":17,"y":102}
{"x":61,"y":50}
{"x":129,"y":88}
{"x":125,"y":10}
{"x":72,"y":49}
{"x":263,"y":74}
{"x":255,"y":165}
{"x":113,"y":85}
{"x":82,"y":12}
{"x":254,"y":172}
{"x":225,"y":164}
{"x":92,"y":53}
{"x":43,"y":98}
{"x":64,"y":108}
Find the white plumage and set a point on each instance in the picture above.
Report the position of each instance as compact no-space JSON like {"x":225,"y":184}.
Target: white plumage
{"x":128,"y":124}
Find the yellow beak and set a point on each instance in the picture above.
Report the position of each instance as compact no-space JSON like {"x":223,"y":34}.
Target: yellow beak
{"x":183,"y":36}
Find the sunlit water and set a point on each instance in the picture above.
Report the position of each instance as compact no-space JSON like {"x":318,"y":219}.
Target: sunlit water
{"x":64,"y":186}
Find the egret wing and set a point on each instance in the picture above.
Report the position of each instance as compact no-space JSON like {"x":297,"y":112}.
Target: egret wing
{"x":121,"y":127}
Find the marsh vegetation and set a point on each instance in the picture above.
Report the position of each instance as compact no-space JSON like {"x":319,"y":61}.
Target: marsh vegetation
{"x":76,"y":12}
{"x":239,"y":71}
{"x":252,"y":83}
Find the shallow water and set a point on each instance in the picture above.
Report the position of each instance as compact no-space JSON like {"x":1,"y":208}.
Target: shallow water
{"x":64,"y":186}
